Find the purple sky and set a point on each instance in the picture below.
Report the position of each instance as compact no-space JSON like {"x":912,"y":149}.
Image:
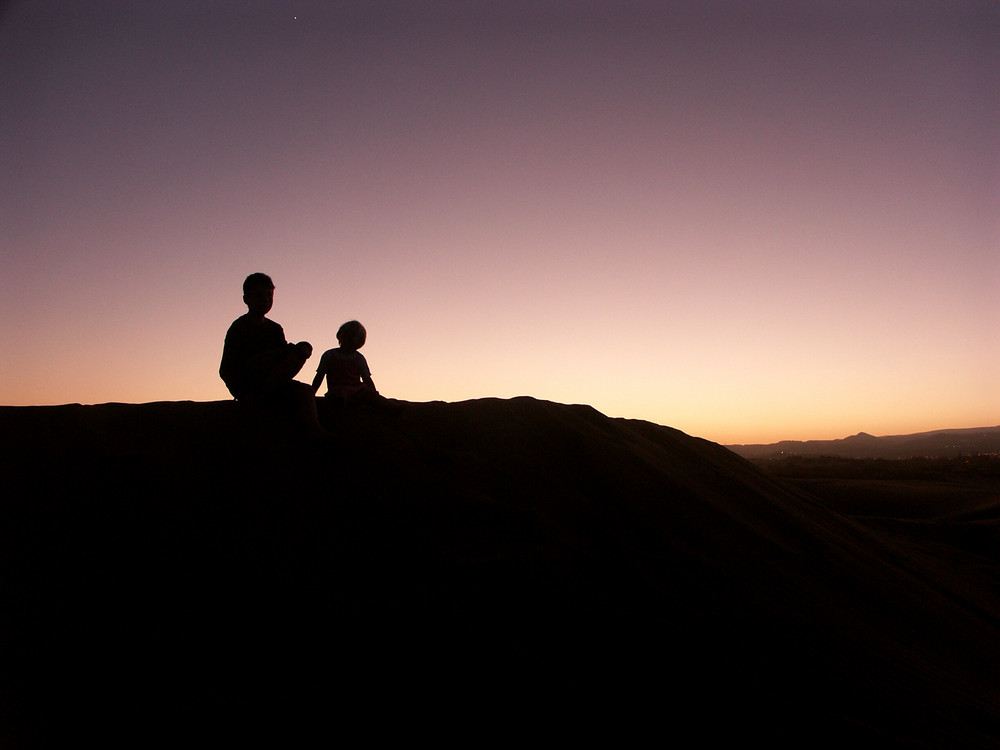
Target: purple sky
{"x":747,"y":220}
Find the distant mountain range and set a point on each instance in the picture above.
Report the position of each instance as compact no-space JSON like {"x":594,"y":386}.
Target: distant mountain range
{"x":936,"y":444}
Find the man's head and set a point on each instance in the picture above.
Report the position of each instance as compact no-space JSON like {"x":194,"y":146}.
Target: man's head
{"x":258,"y":293}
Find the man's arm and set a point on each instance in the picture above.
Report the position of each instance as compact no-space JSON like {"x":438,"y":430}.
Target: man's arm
{"x":229,"y":368}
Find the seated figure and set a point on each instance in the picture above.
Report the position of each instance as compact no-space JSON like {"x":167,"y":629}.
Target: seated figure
{"x":345,"y":368}
{"x":258,"y":364}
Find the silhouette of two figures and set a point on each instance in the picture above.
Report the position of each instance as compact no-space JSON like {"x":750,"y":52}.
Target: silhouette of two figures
{"x":259,"y":366}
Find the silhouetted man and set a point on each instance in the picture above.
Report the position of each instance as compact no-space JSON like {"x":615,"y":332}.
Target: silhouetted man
{"x":258,"y":365}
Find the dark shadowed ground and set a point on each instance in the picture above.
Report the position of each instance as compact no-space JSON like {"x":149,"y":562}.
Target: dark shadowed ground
{"x":491,"y":568}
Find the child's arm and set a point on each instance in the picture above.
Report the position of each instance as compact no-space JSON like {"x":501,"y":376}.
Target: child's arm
{"x":367,"y":380}
{"x":318,"y":380}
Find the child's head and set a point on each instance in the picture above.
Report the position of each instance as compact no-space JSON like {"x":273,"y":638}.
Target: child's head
{"x":351,"y":335}
{"x":258,"y":293}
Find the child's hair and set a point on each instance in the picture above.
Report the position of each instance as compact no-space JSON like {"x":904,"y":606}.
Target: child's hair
{"x":257,"y":281}
{"x":352,"y":335}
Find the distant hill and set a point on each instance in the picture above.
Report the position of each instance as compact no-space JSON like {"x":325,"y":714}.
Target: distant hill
{"x":490,"y":568}
{"x":936,"y":444}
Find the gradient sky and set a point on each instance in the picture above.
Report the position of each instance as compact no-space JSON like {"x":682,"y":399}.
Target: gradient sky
{"x":750,"y":221}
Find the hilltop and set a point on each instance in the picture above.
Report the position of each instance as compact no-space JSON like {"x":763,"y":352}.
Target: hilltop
{"x":461,"y":569}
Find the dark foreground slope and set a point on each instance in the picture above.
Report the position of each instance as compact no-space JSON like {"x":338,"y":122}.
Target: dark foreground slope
{"x":459,"y":569}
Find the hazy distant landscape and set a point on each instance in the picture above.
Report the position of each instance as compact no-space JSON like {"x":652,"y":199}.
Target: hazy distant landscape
{"x":934,"y":444}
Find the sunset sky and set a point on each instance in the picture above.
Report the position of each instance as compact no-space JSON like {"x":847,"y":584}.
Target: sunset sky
{"x":751,"y":221}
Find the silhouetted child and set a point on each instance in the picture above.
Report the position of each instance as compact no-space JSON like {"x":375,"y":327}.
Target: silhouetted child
{"x":258,"y":365}
{"x":345,"y":368}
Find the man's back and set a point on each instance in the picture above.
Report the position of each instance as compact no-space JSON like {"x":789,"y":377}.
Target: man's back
{"x":252,"y":348}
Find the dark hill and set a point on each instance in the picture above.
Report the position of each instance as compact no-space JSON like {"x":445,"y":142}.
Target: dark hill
{"x":503,"y":565}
